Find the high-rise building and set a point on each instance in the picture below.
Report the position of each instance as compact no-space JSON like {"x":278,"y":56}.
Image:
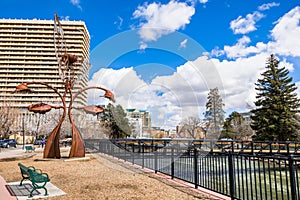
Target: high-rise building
{"x":27,"y":53}
{"x":141,"y":122}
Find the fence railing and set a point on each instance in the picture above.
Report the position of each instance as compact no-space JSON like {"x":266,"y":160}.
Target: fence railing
{"x":238,"y":169}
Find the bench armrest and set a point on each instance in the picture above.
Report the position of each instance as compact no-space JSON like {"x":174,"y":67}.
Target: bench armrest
{"x":45,"y":174}
{"x":39,"y":171}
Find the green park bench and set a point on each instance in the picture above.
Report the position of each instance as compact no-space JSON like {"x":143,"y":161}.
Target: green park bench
{"x":29,"y":148}
{"x":36,"y":176}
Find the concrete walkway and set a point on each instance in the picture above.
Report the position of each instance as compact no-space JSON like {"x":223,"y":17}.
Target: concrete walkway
{"x":4,"y":193}
{"x":13,"y":152}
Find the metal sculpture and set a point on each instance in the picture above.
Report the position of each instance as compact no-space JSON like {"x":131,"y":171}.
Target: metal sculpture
{"x":68,"y":75}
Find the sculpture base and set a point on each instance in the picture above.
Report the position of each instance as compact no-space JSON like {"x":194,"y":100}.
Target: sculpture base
{"x":64,"y":159}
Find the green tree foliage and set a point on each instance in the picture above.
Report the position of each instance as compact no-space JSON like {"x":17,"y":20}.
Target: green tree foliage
{"x":114,"y":120}
{"x":277,"y":104}
{"x":236,"y":127}
{"x":214,"y":113}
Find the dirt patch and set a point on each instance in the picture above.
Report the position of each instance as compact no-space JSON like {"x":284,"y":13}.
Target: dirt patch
{"x":100,"y":178}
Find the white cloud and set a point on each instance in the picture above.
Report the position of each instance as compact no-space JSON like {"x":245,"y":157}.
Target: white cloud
{"x":245,"y":25}
{"x":162,"y":19}
{"x":176,"y":96}
{"x":184,"y":93}
{"x":172,"y":98}
{"x":241,"y":48}
{"x":239,"y":77}
{"x":119,"y":22}
{"x":284,"y":38}
{"x":66,"y":18}
{"x":203,"y":1}
{"x":183,"y":43}
{"x":298,"y":87}
{"x":286,"y":33}
{"x":143,"y":45}
{"x":267,"y":6}
{"x":124,"y":80}
{"x":76,"y":3}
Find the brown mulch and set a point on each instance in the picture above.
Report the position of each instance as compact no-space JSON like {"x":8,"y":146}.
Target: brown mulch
{"x":101,"y":177}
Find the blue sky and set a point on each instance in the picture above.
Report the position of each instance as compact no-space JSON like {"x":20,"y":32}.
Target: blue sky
{"x":164,"y":56}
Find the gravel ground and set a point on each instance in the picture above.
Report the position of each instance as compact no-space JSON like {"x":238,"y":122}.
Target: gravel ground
{"x":101,"y":177}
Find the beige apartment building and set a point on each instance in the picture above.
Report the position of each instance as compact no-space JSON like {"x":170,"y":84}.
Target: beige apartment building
{"x":27,"y":53}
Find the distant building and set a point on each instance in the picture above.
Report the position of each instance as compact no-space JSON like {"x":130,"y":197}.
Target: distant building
{"x":140,"y":121}
{"x":187,"y":132}
{"x":157,"y":132}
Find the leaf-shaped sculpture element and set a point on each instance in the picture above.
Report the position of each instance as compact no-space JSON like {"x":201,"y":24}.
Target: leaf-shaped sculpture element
{"x":41,"y":108}
{"x":22,"y":87}
{"x":108,"y":94}
{"x":92,"y":109}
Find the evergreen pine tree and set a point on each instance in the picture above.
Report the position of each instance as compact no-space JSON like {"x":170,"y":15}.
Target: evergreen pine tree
{"x":277,"y":104}
{"x":214,"y":114}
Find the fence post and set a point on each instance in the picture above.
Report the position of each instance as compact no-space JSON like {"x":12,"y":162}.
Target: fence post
{"x":196,"y":175}
{"x":231,"y":175}
{"x":111,"y":148}
{"x":99,"y":147}
{"x":172,"y":162}
{"x":155,"y":161}
{"x":125,"y":149}
{"x":292,"y":177}
{"x":143,"y":155}
{"x":133,"y":153}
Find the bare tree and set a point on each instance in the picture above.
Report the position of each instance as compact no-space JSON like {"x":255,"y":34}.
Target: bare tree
{"x":8,"y":116}
{"x":191,"y":127}
{"x":41,"y":124}
{"x":237,"y":127}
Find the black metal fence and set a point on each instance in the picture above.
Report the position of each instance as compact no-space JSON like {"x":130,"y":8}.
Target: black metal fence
{"x":238,"y":169}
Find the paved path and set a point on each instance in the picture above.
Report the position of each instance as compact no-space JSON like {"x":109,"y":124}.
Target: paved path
{"x":7,"y":154}
{"x":11,"y":152}
{"x":15,"y":154}
{"x":4,"y":194}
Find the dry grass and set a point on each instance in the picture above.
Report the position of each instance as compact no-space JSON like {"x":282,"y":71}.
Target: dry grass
{"x":101,"y":178}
